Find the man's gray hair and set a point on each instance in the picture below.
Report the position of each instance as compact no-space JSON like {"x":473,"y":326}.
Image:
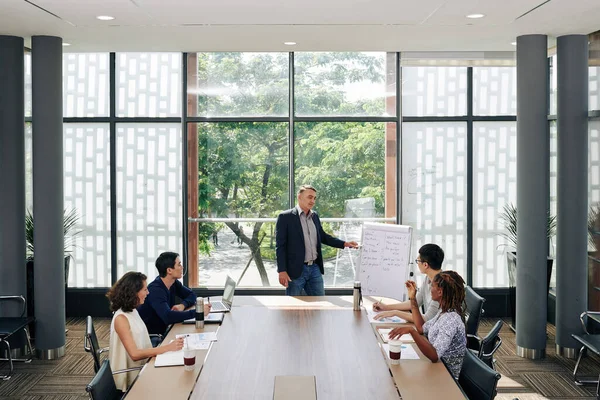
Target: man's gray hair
{"x":306,"y":187}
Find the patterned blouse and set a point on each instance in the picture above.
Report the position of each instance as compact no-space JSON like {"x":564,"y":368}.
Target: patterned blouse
{"x":446,"y":332}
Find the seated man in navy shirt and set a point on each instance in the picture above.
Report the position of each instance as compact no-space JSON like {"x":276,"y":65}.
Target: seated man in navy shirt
{"x":159,"y":310}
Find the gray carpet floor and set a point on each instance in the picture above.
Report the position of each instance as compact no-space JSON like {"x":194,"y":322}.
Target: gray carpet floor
{"x":66,"y":378}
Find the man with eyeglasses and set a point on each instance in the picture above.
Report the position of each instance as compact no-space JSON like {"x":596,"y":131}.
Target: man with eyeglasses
{"x":429,"y":262}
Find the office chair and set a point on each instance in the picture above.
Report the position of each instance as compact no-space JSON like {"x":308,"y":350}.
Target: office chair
{"x":10,"y":327}
{"x":476,"y":379}
{"x":103,"y":387}
{"x":588,"y":341}
{"x":488,"y":345}
{"x":90,"y":343}
{"x":473,"y":315}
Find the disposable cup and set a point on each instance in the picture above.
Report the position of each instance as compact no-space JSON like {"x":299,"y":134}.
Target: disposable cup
{"x":395,"y":351}
{"x":189,"y":359}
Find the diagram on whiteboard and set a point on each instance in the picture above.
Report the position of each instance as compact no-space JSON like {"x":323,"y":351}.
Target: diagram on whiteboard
{"x":384,"y":259}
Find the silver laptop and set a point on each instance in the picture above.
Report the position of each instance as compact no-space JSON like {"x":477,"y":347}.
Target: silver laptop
{"x":225,"y":304}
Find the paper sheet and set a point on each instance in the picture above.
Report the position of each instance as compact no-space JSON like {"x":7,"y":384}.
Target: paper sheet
{"x":198,"y":341}
{"x":408,"y":352}
{"x":395,"y":320}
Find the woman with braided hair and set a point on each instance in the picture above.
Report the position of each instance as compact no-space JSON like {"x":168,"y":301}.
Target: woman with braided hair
{"x":443,"y":336}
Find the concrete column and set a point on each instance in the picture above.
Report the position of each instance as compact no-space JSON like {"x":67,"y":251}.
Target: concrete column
{"x":48,"y":202}
{"x":532,"y":194}
{"x":571,"y":245}
{"x":12,"y":167}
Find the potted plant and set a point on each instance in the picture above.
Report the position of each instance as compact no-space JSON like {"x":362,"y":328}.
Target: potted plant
{"x":70,"y":221}
{"x":508,"y":218}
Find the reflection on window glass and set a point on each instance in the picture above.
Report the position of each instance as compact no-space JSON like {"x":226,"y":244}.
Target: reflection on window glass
{"x":85,"y":85}
{"x":434,"y":188}
{"x":346,"y":163}
{"x":494,"y":186}
{"x":243,"y":173}
{"x":553,"y":86}
{"x":238,"y":84}
{"x":87,"y":191}
{"x":345,"y":84}
{"x":494,"y":90}
{"x":434,"y":91}
{"x":148,"y":84}
{"x":149,"y":195}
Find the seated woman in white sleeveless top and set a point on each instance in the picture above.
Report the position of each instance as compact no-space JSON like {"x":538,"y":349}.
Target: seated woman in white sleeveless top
{"x":130,"y":343}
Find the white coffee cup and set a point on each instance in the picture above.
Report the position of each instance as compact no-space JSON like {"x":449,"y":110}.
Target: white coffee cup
{"x":395,"y":351}
{"x":189,"y":359}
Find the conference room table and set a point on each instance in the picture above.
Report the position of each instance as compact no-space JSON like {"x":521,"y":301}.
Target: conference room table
{"x":264,"y":337}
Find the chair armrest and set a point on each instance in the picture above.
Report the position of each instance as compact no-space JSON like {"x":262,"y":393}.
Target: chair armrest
{"x":471,"y":338}
{"x":19,"y":299}
{"x":122,"y":371}
{"x":491,"y":353}
{"x":586,"y":314}
{"x":158,"y":335}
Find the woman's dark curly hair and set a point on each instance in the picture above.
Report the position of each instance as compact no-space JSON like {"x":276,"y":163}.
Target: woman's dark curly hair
{"x":123,"y":294}
{"x":453,"y":292}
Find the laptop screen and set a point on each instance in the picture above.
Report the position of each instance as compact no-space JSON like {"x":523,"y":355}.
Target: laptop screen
{"x":228,"y":290}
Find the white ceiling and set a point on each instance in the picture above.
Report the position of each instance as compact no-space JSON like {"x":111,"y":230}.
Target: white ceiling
{"x":316,"y":25}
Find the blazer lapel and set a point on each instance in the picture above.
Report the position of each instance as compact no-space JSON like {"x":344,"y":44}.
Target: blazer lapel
{"x":298,"y":226}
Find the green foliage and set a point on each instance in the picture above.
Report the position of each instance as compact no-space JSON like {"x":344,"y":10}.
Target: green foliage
{"x":508,"y":217}
{"x":243,"y":166}
{"x":70,"y":221}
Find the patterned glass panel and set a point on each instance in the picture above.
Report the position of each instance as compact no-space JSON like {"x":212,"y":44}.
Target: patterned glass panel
{"x":553,"y":86}
{"x":149,"y":195}
{"x":85,"y":85}
{"x":87,"y":190}
{"x":494,"y":186}
{"x":28,"y":84}
{"x":494,"y":90}
{"x":553,"y":192}
{"x":148,"y":84}
{"x":357,"y":83}
{"x":594,"y":88}
{"x":434,"y":188}
{"x":28,"y":167}
{"x":594,"y":161}
{"x":434,"y":91}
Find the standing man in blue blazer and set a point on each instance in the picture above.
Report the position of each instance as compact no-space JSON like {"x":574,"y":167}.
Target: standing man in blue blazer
{"x":298,"y":238}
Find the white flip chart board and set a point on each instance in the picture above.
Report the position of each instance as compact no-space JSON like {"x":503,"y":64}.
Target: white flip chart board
{"x":384,"y":260}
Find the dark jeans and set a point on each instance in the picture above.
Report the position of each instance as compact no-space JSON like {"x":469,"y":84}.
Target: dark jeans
{"x":311,"y":281}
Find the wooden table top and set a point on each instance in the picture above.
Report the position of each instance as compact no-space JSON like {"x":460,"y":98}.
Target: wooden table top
{"x":256,"y":344}
{"x":267,"y":336}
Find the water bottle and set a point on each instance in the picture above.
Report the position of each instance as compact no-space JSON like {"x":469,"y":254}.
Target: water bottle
{"x":357,"y":294}
{"x":199,"y":313}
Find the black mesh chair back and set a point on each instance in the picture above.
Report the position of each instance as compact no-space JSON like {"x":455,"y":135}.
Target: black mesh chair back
{"x":103,"y":387}
{"x":90,"y":343}
{"x":476,"y":379}
{"x":474,"y":310}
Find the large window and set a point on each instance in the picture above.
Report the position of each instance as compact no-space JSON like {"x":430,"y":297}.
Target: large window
{"x":434,"y":91}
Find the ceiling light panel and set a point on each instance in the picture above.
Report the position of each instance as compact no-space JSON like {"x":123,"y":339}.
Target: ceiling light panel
{"x":85,"y":13}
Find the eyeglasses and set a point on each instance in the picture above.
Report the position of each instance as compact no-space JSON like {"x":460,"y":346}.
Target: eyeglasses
{"x":418,"y":261}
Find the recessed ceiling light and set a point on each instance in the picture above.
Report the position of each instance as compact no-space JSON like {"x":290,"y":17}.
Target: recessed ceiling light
{"x":475,"y":16}
{"x":105,"y":17}
{"x":289,"y":43}
{"x":66,"y":44}
{"x":513,"y":43}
